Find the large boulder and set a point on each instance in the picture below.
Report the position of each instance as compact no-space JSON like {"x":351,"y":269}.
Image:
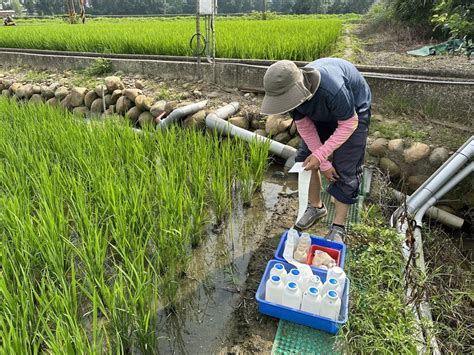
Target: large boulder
{"x":81,"y":111}
{"x":66,"y":102}
{"x":257,"y":124}
{"x":261,"y":132}
{"x":196,"y":120}
{"x":36,"y":89}
{"x":143,"y":103}
{"x":77,"y":96}
{"x":101,"y":90}
{"x":90,"y":97}
{"x":61,"y":93}
{"x":158,"y":108}
{"x":25,"y":91}
{"x":132,"y":94}
{"x":113,"y":83}
{"x":283,"y":137}
{"x":115,"y":96}
{"x":52,"y":102}
{"x":294,"y":142}
{"x":277,"y":124}
{"x":378,"y":148}
{"x":14,"y":87}
{"x":240,"y":121}
{"x":389,"y":167}
{"x":36,"y":99}
{"x":133,"y":114}
{"x":396,"y":145}
{"x":416,"y":152}
{"x":415,"y":181}
{"x":47,"y":92}
{"x":171,"y":106}
{"x":123,"y":105}
{"x":139,"y":84}
{"x":97,"y":106}
{"x":108,"y":100}
{"x":438,"y":156}
{"x":145,"y":119}
{"x":6,"y":93}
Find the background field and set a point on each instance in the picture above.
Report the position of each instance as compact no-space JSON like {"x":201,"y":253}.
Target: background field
{"x":294,"y":38}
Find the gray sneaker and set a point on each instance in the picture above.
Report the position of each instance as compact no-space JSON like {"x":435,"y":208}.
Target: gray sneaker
{"x":310,"y":216}
{"x":336,"y":234}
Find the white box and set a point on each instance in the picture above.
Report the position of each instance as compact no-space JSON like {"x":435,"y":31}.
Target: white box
{"x":206,"y":7}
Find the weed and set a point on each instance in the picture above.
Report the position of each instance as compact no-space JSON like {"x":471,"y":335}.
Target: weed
{"x":100,"y":66}
{"x":35,"y":76}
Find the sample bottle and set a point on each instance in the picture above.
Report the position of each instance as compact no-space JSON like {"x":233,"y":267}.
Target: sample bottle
{"x":330,"y":305}
{"x":314,"y":281}
{"x":339,"y":274}
{"x":301,"y":254}
{"x":292,"y":295}
{"x":305,"y":240}
{"x":332,"y":284}
{"x":274,"y":289}
{"x":279,"y":269}
{"x":311,"y":301}
{"x":294,"y":275}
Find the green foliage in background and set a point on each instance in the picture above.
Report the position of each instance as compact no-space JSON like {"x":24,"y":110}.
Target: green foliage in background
{"x":97,"y":224}
{"x":283,"y":38}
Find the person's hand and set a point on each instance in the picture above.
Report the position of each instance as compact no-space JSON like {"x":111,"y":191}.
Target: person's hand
{"x":331,"y":175}
{"x":311,"y":163}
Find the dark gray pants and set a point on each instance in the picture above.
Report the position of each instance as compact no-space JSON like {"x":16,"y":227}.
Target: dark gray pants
{"x":348,"y":159}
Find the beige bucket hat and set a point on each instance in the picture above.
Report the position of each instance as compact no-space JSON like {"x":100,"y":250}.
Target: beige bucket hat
{"x":285,"y":87}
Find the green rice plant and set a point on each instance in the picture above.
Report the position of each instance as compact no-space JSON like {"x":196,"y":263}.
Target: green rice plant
{"x":294,"y":38}
{"x":97,"y":225}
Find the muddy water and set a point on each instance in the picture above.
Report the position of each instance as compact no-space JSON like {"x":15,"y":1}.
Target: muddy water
{"x":216,"y":274}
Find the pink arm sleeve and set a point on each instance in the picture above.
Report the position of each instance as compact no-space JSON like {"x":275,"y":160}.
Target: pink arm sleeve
{"x":309,"y":133}
{"x":342,"y":133}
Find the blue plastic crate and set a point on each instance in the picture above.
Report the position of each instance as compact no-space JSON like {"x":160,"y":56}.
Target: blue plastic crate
{"x":298,"y":316}
{"x":340,"y":247}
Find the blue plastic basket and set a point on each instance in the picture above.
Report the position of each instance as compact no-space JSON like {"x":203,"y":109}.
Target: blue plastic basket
{"x":340,"y":247}
{"x":298,"y":316}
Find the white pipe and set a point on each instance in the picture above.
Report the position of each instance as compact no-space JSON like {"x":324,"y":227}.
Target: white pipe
{"x":181,"y":112}
{"x":433,"y":183}
{"x":215,"y":121}
{"x":444,"y":190}
{"x":446,"y":218}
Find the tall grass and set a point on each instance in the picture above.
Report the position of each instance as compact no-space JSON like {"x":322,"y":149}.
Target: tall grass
{"x":97,"y":224}
{"x":305,"y":38}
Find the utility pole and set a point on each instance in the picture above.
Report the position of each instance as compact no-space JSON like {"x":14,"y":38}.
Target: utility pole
{"x":264,"y":9}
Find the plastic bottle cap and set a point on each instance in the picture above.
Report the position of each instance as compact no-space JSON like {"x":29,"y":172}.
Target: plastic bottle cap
{"x":332,"y":294}
{"x":292,"y":286}
{"x":295,"y":272}
{"x":279,"y":266}
{"x":314,"y":291}
{"x":276,"y":278}
{"x":333,"y":281}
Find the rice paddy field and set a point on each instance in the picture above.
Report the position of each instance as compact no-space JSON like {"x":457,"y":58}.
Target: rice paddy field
{"x":98,"y":223}
{"x":294,"y":38}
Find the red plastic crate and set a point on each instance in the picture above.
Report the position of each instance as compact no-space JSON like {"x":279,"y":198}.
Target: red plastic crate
{"x":333,"y":253}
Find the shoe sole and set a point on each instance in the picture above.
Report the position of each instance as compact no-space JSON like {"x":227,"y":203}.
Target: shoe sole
{"x":312,"y":223}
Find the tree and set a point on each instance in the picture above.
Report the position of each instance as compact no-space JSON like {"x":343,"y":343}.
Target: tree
{"x":307,"y":6}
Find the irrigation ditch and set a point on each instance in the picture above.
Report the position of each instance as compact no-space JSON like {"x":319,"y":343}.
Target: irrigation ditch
{"x":215,"y":310}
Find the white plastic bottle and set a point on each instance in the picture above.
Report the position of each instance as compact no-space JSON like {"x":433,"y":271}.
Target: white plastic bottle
{"x":314,"y":281}
{"x":311,"y":301}
{"x":339,"y":274}
{"x":332,"y":284}
{"x":330,"y":305}
{"x":274,"y":289}
{"x":301,"y":254}
{"x":279,"y":269}
{"x":305,"y":240}
{"x":292,"y":296}
{"x":294,"y":275}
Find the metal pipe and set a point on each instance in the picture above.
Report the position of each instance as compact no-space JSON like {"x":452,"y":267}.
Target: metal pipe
{"x":215,"y":121}
{"x":181,"y":112}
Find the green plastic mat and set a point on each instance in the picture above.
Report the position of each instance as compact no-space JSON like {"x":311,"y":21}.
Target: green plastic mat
{"x":293,"y":338}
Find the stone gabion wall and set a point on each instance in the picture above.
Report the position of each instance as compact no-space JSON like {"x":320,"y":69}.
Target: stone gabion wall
{"x":105,"y":99}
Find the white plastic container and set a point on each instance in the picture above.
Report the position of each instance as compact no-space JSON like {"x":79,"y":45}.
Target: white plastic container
{"x":301,"y":254}
{"x":274,"y":289}
{"x":332,"y":284}
{"x":294,"y":275}
{"x":339,"y":274}
{"x":311,"y":302}
{"x":314,"y":281}
{"x":279,"y":269}
{"x":305,"y":240}
{"x":292,"y":296}
{"x":330,"y":305}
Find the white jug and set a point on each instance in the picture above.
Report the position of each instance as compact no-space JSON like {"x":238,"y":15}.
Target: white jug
{"x":339,"y":274}
{"x":332,"y":284}
{"x":279,"y":269}
{"x":274,"y":289}
{"x":330,"y":305}
{"x":292,"y":296}
{"x":311,"y":301}
{"x":294,"y":275}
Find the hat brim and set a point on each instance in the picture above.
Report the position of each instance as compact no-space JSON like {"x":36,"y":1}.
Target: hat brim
{"x":273,"y":105}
